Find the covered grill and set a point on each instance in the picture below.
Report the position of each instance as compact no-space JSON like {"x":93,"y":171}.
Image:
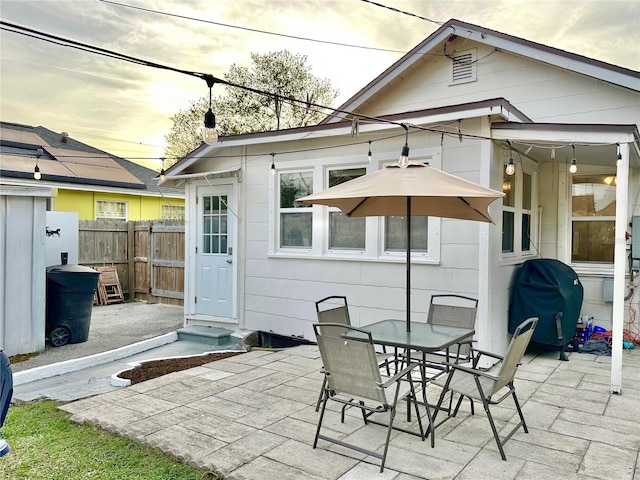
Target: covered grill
{"x":550,"y":290}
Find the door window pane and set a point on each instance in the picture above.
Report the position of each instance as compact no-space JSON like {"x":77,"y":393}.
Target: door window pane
{"x":214,"y":223}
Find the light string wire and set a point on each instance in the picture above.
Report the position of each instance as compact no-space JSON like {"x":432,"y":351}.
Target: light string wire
{"x":61,"y":41}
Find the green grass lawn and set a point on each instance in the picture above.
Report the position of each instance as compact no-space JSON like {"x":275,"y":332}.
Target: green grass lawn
{"x":46,"y":445}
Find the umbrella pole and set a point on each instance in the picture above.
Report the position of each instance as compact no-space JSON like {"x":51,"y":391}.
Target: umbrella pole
{"x":408,"y":264}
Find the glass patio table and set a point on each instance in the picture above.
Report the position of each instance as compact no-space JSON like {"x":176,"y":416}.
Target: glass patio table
{"x":423,"y":337}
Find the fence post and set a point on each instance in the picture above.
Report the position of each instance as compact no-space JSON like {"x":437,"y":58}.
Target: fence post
{"x":131,"y":260}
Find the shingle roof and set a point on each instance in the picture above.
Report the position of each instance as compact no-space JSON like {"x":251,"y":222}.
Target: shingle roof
{"x":71,"y":161}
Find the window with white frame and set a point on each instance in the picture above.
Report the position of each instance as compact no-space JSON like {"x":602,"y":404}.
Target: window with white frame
{"x":593,"y":214}
{"x":517,"y":213}
{"x":112,"y":210}
{"x":327,"y":232}
{"x":295,"y":219}
{"x":345,"y":233}
{"x":173,"y":212}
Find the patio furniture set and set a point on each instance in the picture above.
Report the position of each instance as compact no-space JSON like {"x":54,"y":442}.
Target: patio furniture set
{"x":376,"y":367}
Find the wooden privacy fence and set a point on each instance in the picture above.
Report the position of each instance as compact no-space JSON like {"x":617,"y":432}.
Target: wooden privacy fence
{"x":148,"y":256}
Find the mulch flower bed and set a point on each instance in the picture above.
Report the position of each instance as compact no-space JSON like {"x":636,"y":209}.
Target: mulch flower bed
{"x":157,"y":368}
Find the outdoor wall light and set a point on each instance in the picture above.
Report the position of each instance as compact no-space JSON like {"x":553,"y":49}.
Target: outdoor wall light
{"x":36,"y":170}
{"x":210,"y":134}
{"x":369,"y":156}
{"x":574,"y":163}
{"x":511,"y":167}
{"x":273,"y":164}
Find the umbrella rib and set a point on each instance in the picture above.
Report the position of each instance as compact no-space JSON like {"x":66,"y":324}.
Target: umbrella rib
{"x":474,"y":208}
{"x":348,"y":214}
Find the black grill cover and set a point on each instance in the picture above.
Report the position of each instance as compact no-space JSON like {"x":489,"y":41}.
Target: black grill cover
{"x":550,"y":290}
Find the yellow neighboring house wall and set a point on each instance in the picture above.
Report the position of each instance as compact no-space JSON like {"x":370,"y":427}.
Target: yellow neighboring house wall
{"x":137,"y":207}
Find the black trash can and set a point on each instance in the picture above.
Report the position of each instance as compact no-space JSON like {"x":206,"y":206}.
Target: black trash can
{"x":70,"y":290}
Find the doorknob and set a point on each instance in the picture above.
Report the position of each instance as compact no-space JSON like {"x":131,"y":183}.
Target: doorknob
{"x":229,"y":260}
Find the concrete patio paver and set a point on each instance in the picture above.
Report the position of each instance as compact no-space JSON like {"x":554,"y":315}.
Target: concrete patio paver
{"x":253,"y":416}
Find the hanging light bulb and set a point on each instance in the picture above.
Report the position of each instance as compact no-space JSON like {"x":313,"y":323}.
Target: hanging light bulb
{"x":273,"y":164}
{"x":36,"y":170}
{"x":511,"y":167}
{"x":162,"y":172}
{"x":619,"y":156}
{"x":404,"y":155}
{"x":369,"y":156}
{"x":210,"y":134}
{"x":574,"y":163}
{"x":553,"y":153}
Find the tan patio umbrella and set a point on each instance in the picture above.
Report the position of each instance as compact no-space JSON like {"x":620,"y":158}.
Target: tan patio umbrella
{"x":406,"y":190}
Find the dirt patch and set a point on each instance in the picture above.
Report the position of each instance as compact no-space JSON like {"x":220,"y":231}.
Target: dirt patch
{"x":22,"y":357}
{"x":157,"y":368}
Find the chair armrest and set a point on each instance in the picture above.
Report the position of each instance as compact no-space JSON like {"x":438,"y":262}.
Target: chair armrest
{"x":472,"y":371}
{"x":488,"y":354}
{"x":400,"y":374}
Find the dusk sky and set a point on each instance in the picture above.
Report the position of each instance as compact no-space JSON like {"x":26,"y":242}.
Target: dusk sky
{"x":125,"y":109}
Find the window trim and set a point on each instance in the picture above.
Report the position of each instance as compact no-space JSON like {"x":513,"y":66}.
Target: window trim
{"x":304,"y":249}
{"x":518,"y":255}
{"x":101,"y":217}
{"x":374,"y":229}
{"x":586,"y":267}
{"x":171,"y":207}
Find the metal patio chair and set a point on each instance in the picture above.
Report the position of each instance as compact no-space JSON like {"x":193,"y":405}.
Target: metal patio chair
{"x":354,"y":379}
{"x":335,"y":309}
{"x":490,"y":388}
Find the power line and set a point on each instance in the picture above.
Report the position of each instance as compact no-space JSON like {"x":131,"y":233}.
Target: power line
{"x":403,"y":12}
{"x":255,"y":30}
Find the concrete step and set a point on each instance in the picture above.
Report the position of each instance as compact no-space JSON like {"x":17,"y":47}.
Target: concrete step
{"x":208,"y":335}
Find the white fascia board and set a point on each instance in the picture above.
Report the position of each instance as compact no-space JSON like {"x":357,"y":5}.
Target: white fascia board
{"x":563,"y":136}
{"x":87,"y":188}
{"x":558,"y":60}
{"x":24,"y":191}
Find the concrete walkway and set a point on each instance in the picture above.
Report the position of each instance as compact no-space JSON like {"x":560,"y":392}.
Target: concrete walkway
{"x":252,"y":416}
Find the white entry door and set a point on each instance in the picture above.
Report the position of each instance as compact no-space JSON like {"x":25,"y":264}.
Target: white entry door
{"x":214,"y":258}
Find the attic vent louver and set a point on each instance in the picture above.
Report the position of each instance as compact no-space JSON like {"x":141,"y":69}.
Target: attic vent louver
{"x":463,"y":68}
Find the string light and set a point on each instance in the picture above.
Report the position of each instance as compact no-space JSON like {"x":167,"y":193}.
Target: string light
{"x":273,"y":164}
{"x":619,"y":156}
{"x":210,"y":133}
{"x":511,"y":168}
{"x":574,"y":163}
{"x":369,"y":156}
{"x":162,"y":172}
{"x":36,"y":170}
{"x":404,"y":155}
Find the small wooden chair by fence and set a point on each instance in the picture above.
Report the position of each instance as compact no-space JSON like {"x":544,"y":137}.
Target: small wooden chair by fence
{"x":109,"y":289}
